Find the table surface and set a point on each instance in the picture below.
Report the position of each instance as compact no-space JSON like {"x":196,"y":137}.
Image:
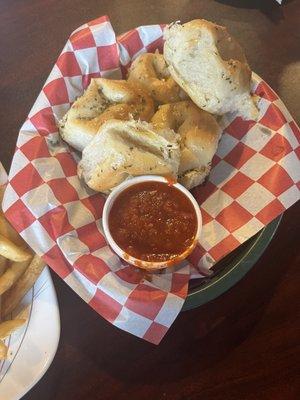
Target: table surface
{"x":243,"y":345}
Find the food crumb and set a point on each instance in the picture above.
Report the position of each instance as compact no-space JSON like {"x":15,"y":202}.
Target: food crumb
{"x":266,"y":131}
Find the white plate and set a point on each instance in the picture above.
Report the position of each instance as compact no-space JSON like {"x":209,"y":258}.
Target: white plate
{"x":32,"y":348}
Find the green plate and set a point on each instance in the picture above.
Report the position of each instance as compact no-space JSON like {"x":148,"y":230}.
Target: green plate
{"x":230,"y":269}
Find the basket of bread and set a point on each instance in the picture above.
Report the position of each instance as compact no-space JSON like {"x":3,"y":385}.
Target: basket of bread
{"x":145,"y":160}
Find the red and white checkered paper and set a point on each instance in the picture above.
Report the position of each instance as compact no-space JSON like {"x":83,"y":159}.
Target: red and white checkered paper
{"x":255,"y":177}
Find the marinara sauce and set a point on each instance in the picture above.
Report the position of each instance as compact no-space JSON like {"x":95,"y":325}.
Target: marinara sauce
{"x":153,"y":221}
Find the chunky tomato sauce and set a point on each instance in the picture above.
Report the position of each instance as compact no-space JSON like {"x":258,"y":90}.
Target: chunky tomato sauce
{"x":153,"y":221}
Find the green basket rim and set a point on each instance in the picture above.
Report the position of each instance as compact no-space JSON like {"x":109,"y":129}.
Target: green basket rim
{"x":235,"y":270}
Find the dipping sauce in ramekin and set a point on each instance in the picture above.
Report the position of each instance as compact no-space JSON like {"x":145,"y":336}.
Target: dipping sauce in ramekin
{"x":150,"y":223}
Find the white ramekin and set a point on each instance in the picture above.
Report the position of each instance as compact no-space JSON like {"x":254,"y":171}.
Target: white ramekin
{"x":132,"y":260}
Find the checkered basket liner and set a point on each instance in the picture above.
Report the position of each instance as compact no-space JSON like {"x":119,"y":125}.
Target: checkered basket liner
{"x":255,"y":177}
